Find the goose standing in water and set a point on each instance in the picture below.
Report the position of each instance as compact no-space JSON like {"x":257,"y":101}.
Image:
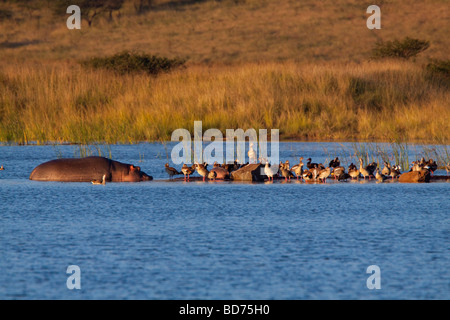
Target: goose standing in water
{"x":286,"y":173}
{"x":387,"y":169}
{"x":364,"y":172}
{"x":315,"y":172}
{"x":212,"y":175}
{"x":270,"y":171}
{"x":432,"y":165}
{"x":201,"y":169}
{"x":298,"y":169}
{"x":307,"y":175}
{"x":416,"y":166}
{"x":353,"y":171}
{"x":380,"y":177}
{"x":324,"y":174}
{"x":371,"y":168}
{"x":338,"y":172}
{"x":171,"y":171}
{"x":310,"y":165}
{"x":187,"y":171}
{"x":97,"y":182}
{"x":395,"y":171}
{"x":335,"y":163}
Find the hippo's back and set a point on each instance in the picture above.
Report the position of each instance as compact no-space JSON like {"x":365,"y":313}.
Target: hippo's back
{"x":73,"y":170}
{"x":415,"y":176}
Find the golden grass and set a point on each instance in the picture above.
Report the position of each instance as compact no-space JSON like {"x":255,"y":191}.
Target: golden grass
{"x":381,"y":101}
{"x":230,"y":31}
{"x":300,"y":66}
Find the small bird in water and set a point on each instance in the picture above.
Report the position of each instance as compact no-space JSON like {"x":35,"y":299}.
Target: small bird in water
{"x":171,"y":171}
{"x":1,"y":168}
{"x":103,"y":181}
{"x":447,"y":168}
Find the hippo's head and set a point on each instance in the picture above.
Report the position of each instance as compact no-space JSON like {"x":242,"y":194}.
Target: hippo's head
{"x":136,"y":175}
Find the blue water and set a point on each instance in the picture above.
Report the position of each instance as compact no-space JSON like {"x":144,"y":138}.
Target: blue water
{"x":222,"y":240}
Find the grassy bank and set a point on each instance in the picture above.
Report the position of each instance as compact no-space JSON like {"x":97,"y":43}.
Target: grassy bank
{"x":226,"y":31}
{"x":381,"y":101}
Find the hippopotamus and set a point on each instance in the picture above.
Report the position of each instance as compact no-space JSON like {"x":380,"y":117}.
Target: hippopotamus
{"x":88,"y":169}
{"x":222,"y":174}
{"x":415,"y":176}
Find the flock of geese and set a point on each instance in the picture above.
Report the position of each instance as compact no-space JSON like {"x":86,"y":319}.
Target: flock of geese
{"x":313,"y":172}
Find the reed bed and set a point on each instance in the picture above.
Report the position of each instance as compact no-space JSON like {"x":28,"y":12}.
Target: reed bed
{"x":382,"y":101}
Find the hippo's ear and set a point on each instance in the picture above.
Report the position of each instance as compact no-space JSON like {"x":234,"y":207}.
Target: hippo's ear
{"x":138,"y":168}
{"x":131,"y":167}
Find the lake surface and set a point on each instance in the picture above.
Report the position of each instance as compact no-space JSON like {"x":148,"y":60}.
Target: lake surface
{"x":218,"y":240}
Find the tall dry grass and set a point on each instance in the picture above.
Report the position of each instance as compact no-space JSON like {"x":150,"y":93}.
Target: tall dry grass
{"x":381,"y":101}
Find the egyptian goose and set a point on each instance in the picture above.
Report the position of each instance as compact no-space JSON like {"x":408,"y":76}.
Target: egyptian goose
{"x":395,"y":171}
{"x":298,"y":169}
{"x":202,"y":170}
{"x":353,"y":172}
{"x":315,"y":172}
{"x":338,"y":172}
{"x":371,"y":168}
{"x":286,"y":173}
{"x":212,"y":175}
{"x":324,"y":174}
{"x":307,"y":175}
{"x":187,"y":171}
{"x":103,"y":181}
{"x":433,"y":166}
{"x":380,"y":177}
{"x":387,"y":169}
{"x":416,"y":166}
{"x":335,"y":163}
{"x":310,"y":165}
{"x":352,"y":167}
{"x":171,"y":171}
{"x":422,"y":162}
{"x":364,"y":172}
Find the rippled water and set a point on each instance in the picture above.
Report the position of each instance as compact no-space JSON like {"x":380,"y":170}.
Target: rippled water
{"x":222,"y":240}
